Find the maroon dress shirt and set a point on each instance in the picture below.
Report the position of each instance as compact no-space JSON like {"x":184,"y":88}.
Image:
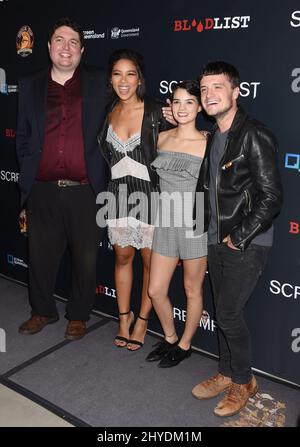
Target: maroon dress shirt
{"x":63,"y":149}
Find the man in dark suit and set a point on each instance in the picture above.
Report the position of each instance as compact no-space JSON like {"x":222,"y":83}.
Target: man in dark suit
{"x":61,"y":171}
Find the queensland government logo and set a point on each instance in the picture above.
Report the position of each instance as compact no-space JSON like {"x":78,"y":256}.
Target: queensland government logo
{"x":211,"y":23}
{"x":24,"y":41}
{"x":116,"y":33}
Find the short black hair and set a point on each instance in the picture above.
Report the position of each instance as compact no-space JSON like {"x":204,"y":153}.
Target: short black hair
{"x":137,"y":59}
{"x":65,"y":21}
{"x":220,"y":67}
{"x":191,"y":86}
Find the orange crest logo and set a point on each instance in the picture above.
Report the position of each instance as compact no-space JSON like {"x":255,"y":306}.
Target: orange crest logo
{"x":24,"y":41}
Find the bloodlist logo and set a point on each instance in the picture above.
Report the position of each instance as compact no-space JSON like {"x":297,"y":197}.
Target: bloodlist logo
{"x":9,"y":133}
{"x":293,"y":227}
{"x":211,"y":23}
{"x":103,"y":290}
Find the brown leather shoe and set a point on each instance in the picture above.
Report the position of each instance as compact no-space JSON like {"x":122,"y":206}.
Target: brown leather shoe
{"x":211,"y":387}
{"x":76,"y":329}
{"x":35,"y":324}
{"x":236,"y":398}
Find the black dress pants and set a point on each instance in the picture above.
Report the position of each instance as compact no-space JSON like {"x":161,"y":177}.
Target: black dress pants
{"x":234,"y":275}
{"x":61,"y":218}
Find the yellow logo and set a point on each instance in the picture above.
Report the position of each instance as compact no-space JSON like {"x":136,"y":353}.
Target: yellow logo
{"x":24,"y":41}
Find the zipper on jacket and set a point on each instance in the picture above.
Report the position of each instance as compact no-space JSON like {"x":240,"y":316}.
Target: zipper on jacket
{"x":230,"y":163}
{"x":248,"y":199}
{"x":217,"y":203}
{"x":242,"y":243}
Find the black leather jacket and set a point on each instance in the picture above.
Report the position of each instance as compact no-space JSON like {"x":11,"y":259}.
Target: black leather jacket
{"x":153,"y":123}
{"x":248,"y":185}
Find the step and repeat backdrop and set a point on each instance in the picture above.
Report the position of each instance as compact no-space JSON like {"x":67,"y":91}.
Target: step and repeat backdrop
{"x":177,"y":38}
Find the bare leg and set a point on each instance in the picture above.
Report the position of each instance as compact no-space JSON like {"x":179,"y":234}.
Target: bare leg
{"x":161,"y":272}
{"x":123,"y":279}
{"x":194,"y":273}
{"x":140,"y":327}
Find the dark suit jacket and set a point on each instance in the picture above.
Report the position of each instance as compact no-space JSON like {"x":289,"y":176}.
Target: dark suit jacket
{"x":31,"y":126}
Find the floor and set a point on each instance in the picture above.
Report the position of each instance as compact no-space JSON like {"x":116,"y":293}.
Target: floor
{"x":47,"y":381}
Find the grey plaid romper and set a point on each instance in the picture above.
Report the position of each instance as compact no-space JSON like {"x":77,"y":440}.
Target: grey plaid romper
{"x":173,"y":235}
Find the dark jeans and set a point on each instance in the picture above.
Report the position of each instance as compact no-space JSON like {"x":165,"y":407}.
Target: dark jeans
{"x":61,"y":218}
{"x":234,"y":275}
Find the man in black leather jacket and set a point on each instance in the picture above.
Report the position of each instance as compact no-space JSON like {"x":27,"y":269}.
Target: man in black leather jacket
{"x":243,"y":194}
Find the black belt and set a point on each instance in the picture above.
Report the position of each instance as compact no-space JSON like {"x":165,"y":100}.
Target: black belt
{"x":65,"y":182}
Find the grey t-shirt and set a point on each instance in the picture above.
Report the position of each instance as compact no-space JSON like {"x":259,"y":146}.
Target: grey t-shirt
{"x":216,"y":154}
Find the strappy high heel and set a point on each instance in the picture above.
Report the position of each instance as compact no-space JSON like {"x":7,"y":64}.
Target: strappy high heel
{"x":138,"y":343}
{"x":120,"y":337}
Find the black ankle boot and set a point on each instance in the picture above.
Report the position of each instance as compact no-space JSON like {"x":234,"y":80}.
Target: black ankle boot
{"x":174,"y":356}
{"x":163,"y":347}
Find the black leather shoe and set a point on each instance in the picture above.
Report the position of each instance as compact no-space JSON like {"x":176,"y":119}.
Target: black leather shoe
{"x":174,"y":356}
{"x":163,"y":347}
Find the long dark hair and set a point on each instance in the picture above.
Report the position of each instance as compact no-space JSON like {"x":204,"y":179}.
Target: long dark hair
{"x":137,"y":59}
